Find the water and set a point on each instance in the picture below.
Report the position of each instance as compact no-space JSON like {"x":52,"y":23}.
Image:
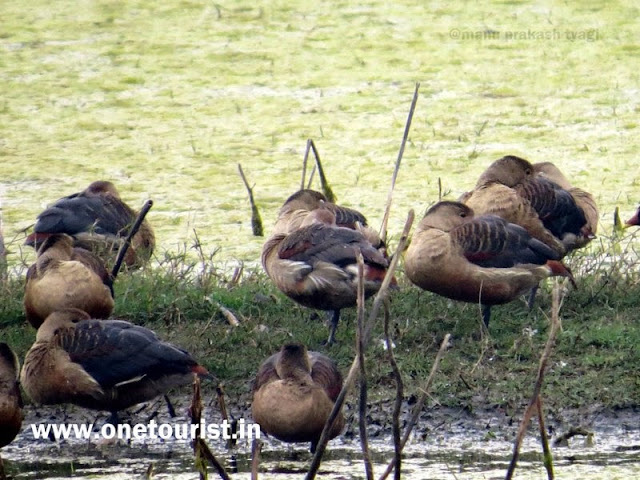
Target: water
{"x":460,"y":454}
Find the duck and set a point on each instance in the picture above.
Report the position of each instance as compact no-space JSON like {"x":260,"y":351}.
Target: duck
{"x":480,"y":259}
{"x":315,"y":265}
{"x":294,"y":393}
{"x":583,"y":200}
{"x":511,"y":189}
{"x":300,"y":204}
{"x":107,"y":365}
{"x":634,"y":220}
{"x":66,"y":276}
{"x":10,"y":398}
{"x":98,"y":220}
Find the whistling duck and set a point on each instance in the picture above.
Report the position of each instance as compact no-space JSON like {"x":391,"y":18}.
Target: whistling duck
{"x":296,"y":208}
{"x":482,"y":259}
{"x":583,"y":200}
{"x":510,"y":188}
{"x":294,"y":393}
{"x":66,"y":276}
{"x":98,"y":220}
{"x":635,"y":219}
{"x":10,"y":399}
{"x":315,"y":265}
{"x":102,"y":364}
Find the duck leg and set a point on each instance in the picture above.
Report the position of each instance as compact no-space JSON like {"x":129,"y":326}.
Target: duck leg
{"x":532,"y":297}
{"x":335,"y":318}
{"x":486,"y":314}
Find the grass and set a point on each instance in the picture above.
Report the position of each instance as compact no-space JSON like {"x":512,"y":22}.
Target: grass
{"x":594,"y":363}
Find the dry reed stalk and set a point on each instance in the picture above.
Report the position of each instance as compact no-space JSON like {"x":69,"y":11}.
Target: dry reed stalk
{"x":394,"y":176}
{"x":362,"y":411}
{"x":553,"y":332}
{"x":420,"y":403}
{"x":127,"y":242}
{"x":354,"y":369}
{"x":397,"y":406}
{"x":256,"y":220}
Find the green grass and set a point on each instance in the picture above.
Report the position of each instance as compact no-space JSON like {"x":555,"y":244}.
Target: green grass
{"x":595,"y":362}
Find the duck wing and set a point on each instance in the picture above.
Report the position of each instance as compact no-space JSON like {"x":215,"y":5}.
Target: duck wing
{"x":325,"y":243}
{"x":115,"y":351}
{"x":490,"y":241}
{"x":102,"y":214}
{"x":555,"y":206}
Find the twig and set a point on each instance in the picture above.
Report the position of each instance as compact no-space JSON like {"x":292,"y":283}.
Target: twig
{"x":256,"y":448}
{"x":548,"y":458}
{"x":354,"y":369}
{"x":394,"y":176}
{"x":313,"y":172}
{"x":200,"y":448}
{"x":127,"y":242}
{"x":326,"y":189}
{"x":228,"y":315}
{"x":555,"y":326}
{"x":256,"y":221}
{"x":304,"y":164}
{"x":417,"y":408}
{"x":208,"y":455}
{"x":362,"y":420}
{"x":224,"y":412}
{"x":397,"y":444}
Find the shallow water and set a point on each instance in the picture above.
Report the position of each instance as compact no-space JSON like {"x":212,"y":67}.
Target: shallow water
{"x":459,"y":454}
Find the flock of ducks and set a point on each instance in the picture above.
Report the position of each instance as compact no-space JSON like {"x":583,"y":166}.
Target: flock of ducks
{"x":497,"y":242}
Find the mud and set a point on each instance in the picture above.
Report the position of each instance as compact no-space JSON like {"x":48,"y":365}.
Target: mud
{"x":447,"y":443}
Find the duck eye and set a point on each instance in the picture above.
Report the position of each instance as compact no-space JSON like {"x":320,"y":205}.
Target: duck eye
{"x":463,"y":214}
{"x":527,"y":171}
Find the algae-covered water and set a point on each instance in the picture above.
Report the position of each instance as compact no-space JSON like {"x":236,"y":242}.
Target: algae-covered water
{"x":165,"y":99}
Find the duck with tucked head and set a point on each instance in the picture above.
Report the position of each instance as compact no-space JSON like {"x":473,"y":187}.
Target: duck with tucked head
{"x":482,"y":259}
{"x":294,"y":393}
{"x":98,"y":220}
{"x":511,"y":189}
{"x":584,"y":201}
{"x":65,"y":276}
{"x":315,"y":265}
{"x":106,"y":365}
{"x":10,"y":399}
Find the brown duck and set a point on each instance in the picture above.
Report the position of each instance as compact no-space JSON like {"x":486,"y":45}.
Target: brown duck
{"x":65,"y":276}
{"x":482,"y":259}
{"x":294,"y":393}
{"x":296,"y":208}
{"x":99,"y":221}
{"x":315,"y":265}
{"x":584,"y":201}
{"x":510,"y":189}
{"x":102,"y":364}
{"x":10,"y":400}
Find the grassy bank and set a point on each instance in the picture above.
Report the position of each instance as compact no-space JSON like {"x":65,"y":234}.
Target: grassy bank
{"x":595,"y":363}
